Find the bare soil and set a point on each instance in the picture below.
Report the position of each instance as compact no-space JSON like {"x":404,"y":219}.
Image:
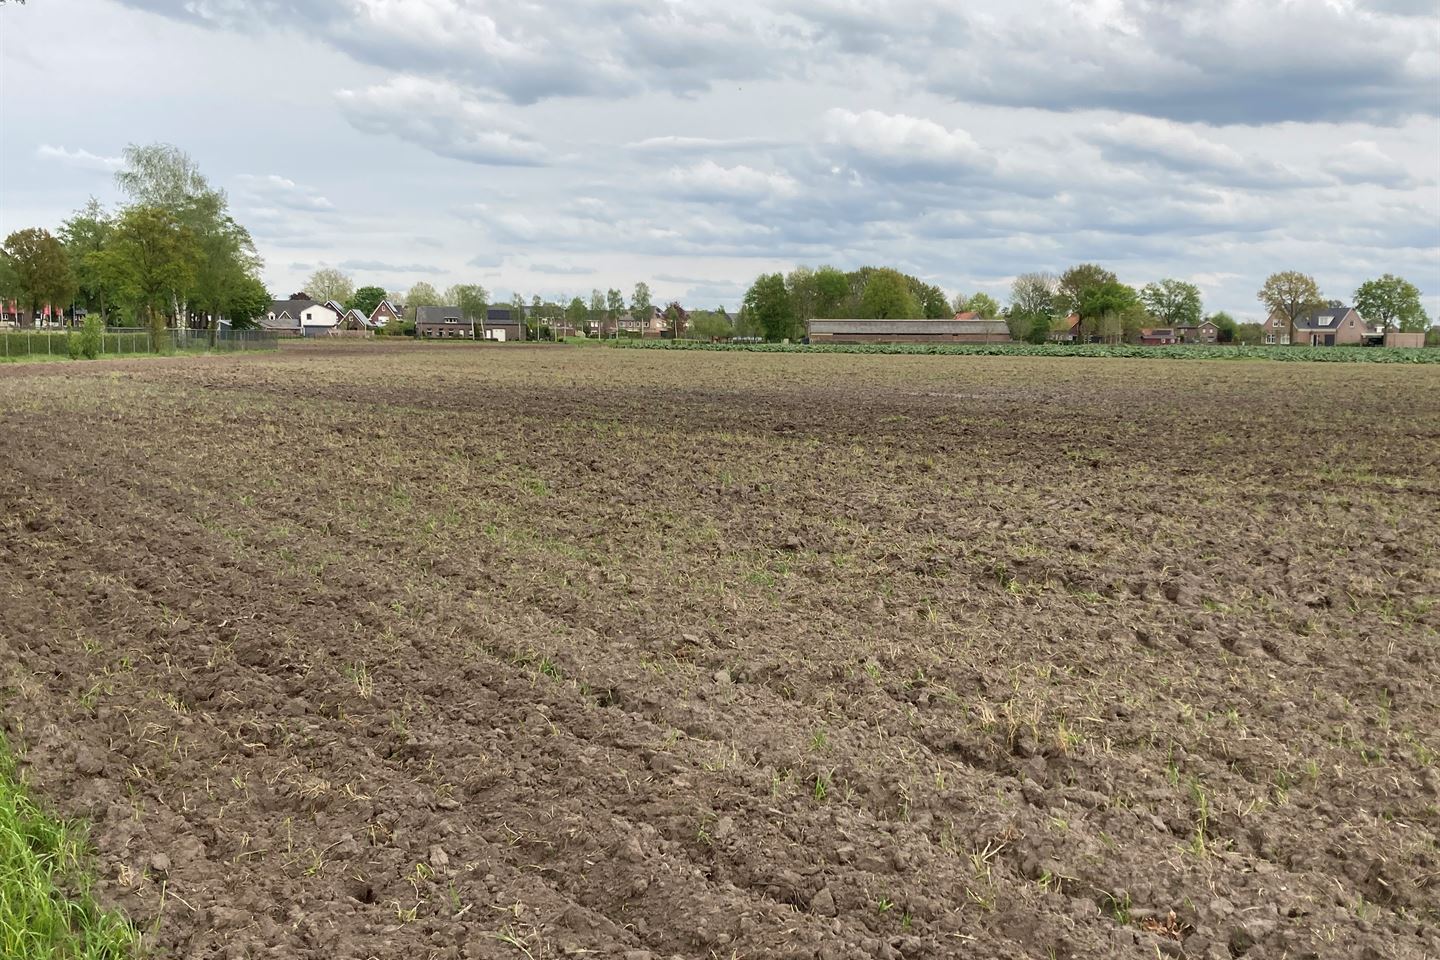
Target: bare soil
{"x":384,"y":651}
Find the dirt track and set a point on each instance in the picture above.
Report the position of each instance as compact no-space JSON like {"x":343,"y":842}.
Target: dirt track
{"x":539,"y":653}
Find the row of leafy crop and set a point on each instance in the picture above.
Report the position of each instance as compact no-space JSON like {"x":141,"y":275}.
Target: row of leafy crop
{"x":1175,"y":352}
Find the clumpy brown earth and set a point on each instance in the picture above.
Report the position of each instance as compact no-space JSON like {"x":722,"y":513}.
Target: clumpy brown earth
{"x":462,"y":652}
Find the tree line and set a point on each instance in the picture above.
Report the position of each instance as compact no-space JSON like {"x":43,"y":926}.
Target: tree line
{"x":778,"y":306}
{"x":170,"y":256}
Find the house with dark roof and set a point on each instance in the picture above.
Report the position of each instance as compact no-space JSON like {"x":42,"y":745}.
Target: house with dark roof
{"x":1326,"y":327}
{"x":1158,"y":336}
{"x":1203,"y":332}
{"x":386,"y":312}
{"x":443,"y":323}
{"x":502,"y":324}
{"x":355,"y":321}
{"x":300,"y":318}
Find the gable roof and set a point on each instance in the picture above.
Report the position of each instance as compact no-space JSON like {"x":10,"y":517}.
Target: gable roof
{"x":291,"y":308}
{"x":439,"y":315}
{"x":904,"y":326}
{"x":1328,"y":318}
{"x":354,"y":312}
{"x":384,"y":303}
{"x":334,"y":317}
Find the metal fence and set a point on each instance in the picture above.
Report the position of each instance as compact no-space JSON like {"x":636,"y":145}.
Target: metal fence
{"x":130,"y":341}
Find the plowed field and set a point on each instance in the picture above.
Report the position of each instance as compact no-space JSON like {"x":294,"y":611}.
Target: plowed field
{"x":517,"y":653}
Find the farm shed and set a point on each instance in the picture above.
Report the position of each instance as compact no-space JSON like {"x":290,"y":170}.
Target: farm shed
{"x":946,"y":330}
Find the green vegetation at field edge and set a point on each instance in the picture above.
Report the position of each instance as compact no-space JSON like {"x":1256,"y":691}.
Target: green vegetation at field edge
{"x":46,"y":910}
{"x":1126,"y":350}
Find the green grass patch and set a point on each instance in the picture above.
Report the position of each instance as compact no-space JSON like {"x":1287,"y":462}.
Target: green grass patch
{"x":46,"y":910}
{"x":1125,"y":350}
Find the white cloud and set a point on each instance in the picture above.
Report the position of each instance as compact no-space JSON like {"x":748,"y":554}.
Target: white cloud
{"x":709,"y":180}
{"x":83,"y":159}
{"x":903,"y":143}
{"x":1193,"y":150}
{"x":1363,"y":161}
{"x":443,"y":118}
{"x":282,"y":191}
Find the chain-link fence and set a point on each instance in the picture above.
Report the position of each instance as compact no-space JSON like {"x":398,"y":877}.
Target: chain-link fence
{"x":131,"y":341}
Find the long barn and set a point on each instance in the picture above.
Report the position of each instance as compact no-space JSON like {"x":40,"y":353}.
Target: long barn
{"x":945,"y":330}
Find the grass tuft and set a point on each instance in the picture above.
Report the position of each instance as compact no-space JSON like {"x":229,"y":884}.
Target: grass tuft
{"x":46,"y":910}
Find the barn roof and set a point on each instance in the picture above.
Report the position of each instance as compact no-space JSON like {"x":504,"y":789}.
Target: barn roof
{"x":911,"y":327}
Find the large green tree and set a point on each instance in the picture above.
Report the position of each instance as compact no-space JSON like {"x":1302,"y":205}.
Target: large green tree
{"x":614,"y":306}
{"x":1393,"y":302}
{"x":932,"y":301}
{"x":161,"y":175}
{"x":831,"y":289}
{"x":366,"y":299}
{"x":640,"y":305}
{"x":575,"y":313}
{"x":472,"y":299}
{"x":982,"y":305}
{"x":1110,"y":309}
{"x":1289,"y":295}
{"x":887,"y":296}
{"x":1071,"y":289}
{"x":328,"y":283}
{"x":767,"y":306}
{"x":85,"y":235}
{"x":226,"y":262}
{"x":420,"y":295}
{"x":1226,"y":329}
{"x":1173,"y":302}
{"x":40,"y":269}
{"x":800,"y":284}
{"x":150,"y":262}
{"x":677,"y":317}
{"x":1032,"y":307}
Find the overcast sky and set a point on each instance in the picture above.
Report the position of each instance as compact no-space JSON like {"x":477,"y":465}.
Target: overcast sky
{"x":551,"y":147}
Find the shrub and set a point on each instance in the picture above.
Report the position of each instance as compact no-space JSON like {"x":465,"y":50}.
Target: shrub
{"x":75,"y":344}
{"x":92,"y":337}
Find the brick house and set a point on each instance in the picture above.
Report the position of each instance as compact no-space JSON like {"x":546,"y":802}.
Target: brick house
{"x":501,"y":324}
{"x":385,"y":313}
{"x":1158,"y":336}
{"x":1326,"y":327}
{"x":1203,"y":332}
{"x":443,"y":323}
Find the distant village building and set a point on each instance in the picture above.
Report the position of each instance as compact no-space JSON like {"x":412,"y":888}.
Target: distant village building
{"x":951,"y":330}
{"x":502,"y":325}
{"x":300,"y":318}
{"x":443,"y":323}
{"x":1327,"y":327}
